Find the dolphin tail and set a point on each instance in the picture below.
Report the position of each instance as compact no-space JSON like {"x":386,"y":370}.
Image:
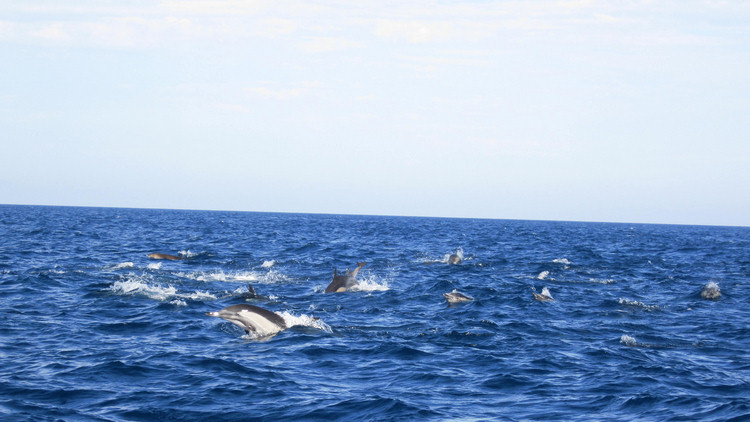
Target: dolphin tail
{"x":356,"y":270}
{"x":251,"y":290}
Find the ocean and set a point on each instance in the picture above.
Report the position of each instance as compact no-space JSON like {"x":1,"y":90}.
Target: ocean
{"x":94,"y":330}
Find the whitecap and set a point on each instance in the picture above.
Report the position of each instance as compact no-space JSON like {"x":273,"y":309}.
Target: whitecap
{"x":268,"y":264}
{"x":605,"y":281}
{"x":563,"y":261}
{"x":121,"y":266}
{"x":154,"y":266}
{"x":543,"y":275}
{"x":637,"y":304}
{"x":220,"y":275}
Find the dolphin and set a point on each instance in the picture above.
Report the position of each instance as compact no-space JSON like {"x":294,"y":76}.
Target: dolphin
{"x":711,"y":291}
{"x":545,"y":296}
{"x":456,"y":297}
{"x":454,"y":259}
{"x":252,"y":319}
{"x":164,"y":256}
{"x":342,"y":283}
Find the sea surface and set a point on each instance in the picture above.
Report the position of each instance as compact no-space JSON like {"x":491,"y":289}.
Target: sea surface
{"x":93,"y":330}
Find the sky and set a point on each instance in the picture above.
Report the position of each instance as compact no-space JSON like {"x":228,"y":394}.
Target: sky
{"x":613,"y":111}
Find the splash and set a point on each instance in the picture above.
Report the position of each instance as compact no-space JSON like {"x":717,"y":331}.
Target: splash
{"x":563,"y":261}
{"x":370,"y":284}
{"x":187,"y":254}
{"x":628,"y":340}
{"x":711,"y":291}
{"x":140,"y":286}
{"x":304,"y":321}
{"x":268,"y":264}
{"x":154,"y":266}
{"x":543,"y":275}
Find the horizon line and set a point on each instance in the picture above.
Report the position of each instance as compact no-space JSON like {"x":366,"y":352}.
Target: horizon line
{"x":376,"y":215}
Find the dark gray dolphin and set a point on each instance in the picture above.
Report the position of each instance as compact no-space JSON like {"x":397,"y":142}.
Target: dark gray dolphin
{"x":164,"y":256}
{"x":252,"y":319}
{"x":342,"y":283}
{"x":456,"y":297}
{"x":454,"y":259}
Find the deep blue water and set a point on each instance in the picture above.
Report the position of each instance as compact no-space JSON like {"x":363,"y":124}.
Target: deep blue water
{"x":92,"y":329}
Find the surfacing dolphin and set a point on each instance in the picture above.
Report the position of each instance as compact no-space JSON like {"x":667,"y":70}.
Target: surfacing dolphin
{"x":343,"y":282}
{"x":454,"y":259}
{"x":545,"y":296}
{"x":456,"y":297}
{"x":711,"y":291}
{"x":252,"y":319}
{"x":164,"y":256}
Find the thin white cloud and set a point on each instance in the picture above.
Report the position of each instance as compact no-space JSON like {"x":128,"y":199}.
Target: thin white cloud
{"x":327,"y":44}
{"x":282,"y":93}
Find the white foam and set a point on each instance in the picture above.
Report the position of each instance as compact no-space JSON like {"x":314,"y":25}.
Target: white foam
{"x":637,"y":304}
{"x":220,"y":275}
{"x":543,"y":275}
{"x":139,"y":285}
{"x":122,"y":265}
{"x":154,"y":266}
{"x":563,"y":261}
{"x":607,"y":281}
{"x":370,"y":284}
{"x":304,"y":321}
{"x":545,"y":292}
{"x":187,"y":254}
{"x":273,"y":277}
{"x":628,"y":340}
{"x":268,"y":264}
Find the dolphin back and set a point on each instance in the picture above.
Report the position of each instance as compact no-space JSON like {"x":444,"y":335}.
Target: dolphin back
{"x":265,"y":313}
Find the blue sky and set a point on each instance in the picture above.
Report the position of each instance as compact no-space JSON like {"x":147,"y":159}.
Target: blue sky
{"x":631,"y":111}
